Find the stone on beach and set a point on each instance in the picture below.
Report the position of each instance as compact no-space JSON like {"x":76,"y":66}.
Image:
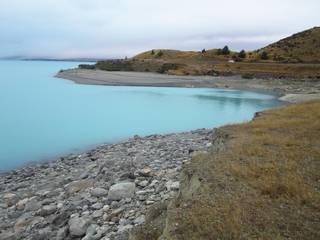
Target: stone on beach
{"x":145,"y":172}
{"x":78,"y":226}
{"x":173,"y":186}
{"x":99,"y":192}
{"x":78,"y":186}
{"x":121,"y":191}
{"x":10,"y":199}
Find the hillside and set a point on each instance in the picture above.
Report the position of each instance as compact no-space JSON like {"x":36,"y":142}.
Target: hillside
{"x":297,"y":56}
{"x":258,"y":182}
{"x":300,"y":47}
{"x":168,"y":54}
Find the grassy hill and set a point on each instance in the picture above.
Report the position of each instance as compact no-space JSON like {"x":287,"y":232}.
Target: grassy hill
{"x":297,"y":56}
{"x":300,"y":47}
{"x":168,"y":54}
{"x":303,"y":47}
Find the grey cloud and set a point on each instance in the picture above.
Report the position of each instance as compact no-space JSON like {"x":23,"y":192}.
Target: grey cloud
{"x":114,"y":28}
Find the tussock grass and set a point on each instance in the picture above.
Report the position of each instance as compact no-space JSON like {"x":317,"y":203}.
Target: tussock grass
{"x":270,"y":69}
{"x":300,"y":47}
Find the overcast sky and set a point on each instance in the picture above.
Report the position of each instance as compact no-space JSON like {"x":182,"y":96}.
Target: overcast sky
{"x":118,"y":28}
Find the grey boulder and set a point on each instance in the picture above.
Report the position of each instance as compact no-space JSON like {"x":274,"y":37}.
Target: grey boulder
{"x":99,"y":192}
{"x":121,"y":191}
{"x":78,"y":226}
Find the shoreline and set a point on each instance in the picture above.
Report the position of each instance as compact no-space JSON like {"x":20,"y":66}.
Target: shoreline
{"x":287,"y":90}
{"x":80,"y":187}
{"x":92,"y":147}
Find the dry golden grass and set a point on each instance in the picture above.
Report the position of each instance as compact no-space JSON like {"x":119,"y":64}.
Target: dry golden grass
{"x":195,"y":63}
{"x":270,"y":69}
{"x":302,"y":50}
{"x":263,"y":184}
{"x":300,"y":47}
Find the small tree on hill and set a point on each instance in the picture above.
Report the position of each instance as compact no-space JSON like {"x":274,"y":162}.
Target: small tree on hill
{"x":225,"y":50}
{"x":242,"y":54}
{"x":203,"y":51}
{"x":152,"y":52}
{"x":264,"y":55}
{"x":159,"y":54}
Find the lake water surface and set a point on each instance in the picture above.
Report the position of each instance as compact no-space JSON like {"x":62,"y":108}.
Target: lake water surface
{"x":42,"y":117}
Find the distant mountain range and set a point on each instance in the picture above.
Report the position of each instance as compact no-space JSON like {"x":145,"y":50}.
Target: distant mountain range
{"x":52,"y":59}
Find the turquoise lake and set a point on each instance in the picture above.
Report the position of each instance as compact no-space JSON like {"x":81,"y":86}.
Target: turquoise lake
{"x":43,"y":117}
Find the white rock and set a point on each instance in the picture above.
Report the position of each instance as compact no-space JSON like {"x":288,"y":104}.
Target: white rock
{"x":10,"y":199}
{"x":22,"y":203}
{"x":139,"y":220}
{"x":172,"y":186}
{"x":106,"y":207}
{"x":97,"y":206}
{"x":143,"y":183}
{"x":149,"y":202}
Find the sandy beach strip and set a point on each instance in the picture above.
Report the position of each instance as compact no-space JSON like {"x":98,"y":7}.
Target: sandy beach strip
{"x":287,"y":90}
{"x":99,"y":77}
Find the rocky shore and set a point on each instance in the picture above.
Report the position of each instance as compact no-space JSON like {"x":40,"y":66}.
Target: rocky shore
{"x":100,"y":194}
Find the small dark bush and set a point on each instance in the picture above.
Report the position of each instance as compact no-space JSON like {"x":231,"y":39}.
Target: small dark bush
{"x":247,"y":76}
{"x":86,"y":66}
{"x":160,"y":54}
{"x":242,"y":54}
{"x":225,"y":50}
{"x":168,"y":66}
{"x":264,"y":56}
{"x":203,"y":51}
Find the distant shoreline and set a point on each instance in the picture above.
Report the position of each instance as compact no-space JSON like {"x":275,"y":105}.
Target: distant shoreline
{"x":286,"y":90}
